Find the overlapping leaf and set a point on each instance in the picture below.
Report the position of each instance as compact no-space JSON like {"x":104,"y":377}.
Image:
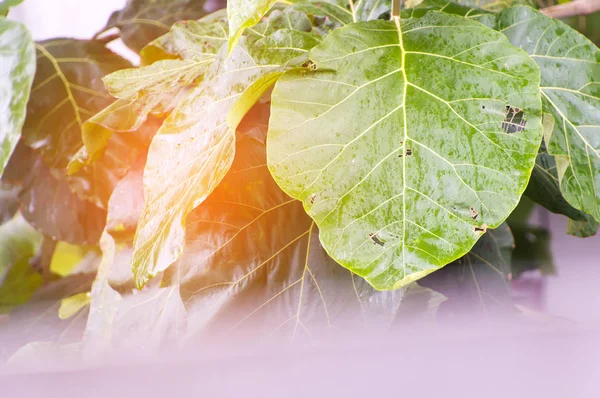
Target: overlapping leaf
{"x":572,"y":97}
{"x":142,"y":21}
{"x":195,"y":145}
{"x":17,"y":57}
{"x":253,"y":260}
{"x":400,"y":146}
{"x":244,"y":14}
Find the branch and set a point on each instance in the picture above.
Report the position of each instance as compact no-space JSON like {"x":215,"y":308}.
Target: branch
{"x":573,"y":8}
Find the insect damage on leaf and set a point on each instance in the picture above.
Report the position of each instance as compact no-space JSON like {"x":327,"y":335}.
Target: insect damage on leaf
{"x":514,"y":120}
{"x":376,"y":239}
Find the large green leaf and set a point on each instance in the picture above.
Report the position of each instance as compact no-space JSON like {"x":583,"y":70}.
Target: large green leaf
{"x":407,"y":142}
{"x":570,"y":66}
{"x":19,"y":243}
{"x":17,"y":57}
{"x":253,"y":260}
{"x":142,"y":21}
{"x":195,"y":145}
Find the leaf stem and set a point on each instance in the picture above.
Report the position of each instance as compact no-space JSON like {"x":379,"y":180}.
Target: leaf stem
{"x":396,"y":7}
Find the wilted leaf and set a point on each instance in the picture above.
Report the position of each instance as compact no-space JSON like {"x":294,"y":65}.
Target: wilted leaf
{"x":142,"y":21}
{"x":570,"y":66}
{"x":195,"y":145}
{"x":478,"y":281}
{"x":17,"y":57}
{"x":19,"y":243}
{"x":400,"y":147}
{"x":253,"y":258}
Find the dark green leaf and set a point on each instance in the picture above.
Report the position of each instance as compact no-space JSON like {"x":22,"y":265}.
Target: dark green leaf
{"x":532,"y":251}
{"x":358,"y":141}
{"x":67,"y":90}
{"x":142,"y":21}
{"x":17,"y":57}
{"x":51,"y":207}
{"x":572,"y":97}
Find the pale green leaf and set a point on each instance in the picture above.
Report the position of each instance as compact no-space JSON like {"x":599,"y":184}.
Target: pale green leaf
{"x":244,"y":14}
{"x":17,"y":57}
{"x":570,"y":66}
{"x":405,"y":144}
{"x":195,"y":145}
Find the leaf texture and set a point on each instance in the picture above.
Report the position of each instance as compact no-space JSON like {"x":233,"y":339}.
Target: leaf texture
{"x":405,"y":158}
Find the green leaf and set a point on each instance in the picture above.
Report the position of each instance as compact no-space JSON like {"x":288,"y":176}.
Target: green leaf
{"x":478,"y":281}
{"x":19,"y":243}
{"x":142,"y":21}
{"x":6,"y":5}
{"x":246,"y":265}
{"x":17,"y":57}
{"x":244,"y":14}
{"x":572,"y":98}
{"x":544,"y":187}
{"x":195,"y":145}
{"x":359,"y":141}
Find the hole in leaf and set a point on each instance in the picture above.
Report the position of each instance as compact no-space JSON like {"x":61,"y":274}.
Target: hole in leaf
{"x":313,"y":197}
{"x":514,"y":120}
{"x":481,"y":229}
{"x":376,"y":239}
{"x":474,"y":213}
